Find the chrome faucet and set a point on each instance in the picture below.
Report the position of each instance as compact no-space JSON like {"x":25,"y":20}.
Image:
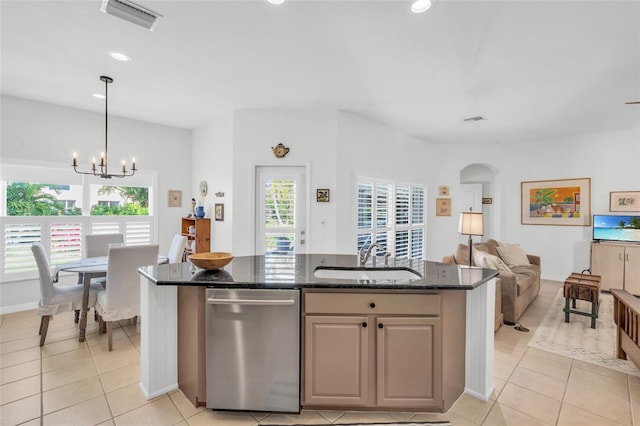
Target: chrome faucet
{"x":365,"y":256}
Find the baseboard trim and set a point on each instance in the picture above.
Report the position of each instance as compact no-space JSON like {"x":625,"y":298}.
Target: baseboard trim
{"x":18,"y":308}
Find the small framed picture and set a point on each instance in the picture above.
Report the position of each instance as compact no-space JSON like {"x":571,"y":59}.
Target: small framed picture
{"x":624,"y":201}
{"x":174,"y":198}
{"x":322,"y":195}
{"x":443,"y":190}
{"x":443,"y":206}
{"x":219,"y":212}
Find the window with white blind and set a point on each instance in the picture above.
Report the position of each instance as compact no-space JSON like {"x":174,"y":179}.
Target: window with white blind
{"x":392,"y":215}
{"x":58,"y":208}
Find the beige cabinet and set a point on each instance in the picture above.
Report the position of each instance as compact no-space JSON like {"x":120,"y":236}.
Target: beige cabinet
{"x":408,"y":360}
{"x":387,"y":353}
{"x":336,"y":360}
{"x":618,"y":264}
{"x":192,"y":344}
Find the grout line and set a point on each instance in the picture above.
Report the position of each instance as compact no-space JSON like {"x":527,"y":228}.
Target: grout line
{"x":41,"y":391}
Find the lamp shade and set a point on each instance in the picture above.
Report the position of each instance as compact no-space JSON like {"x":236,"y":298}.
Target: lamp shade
{"x":470,"y":223}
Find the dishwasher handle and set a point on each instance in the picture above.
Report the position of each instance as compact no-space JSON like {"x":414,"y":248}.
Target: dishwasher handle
{"x":253,"y":302}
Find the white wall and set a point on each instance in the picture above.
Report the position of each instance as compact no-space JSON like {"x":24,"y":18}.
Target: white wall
{"x":311,"y":137}
{"x":367,"y":148}
{"x":41,"y":132}
{"x":336,"y":147}
{"x":211,"y":160}
{"x":610,"y":159}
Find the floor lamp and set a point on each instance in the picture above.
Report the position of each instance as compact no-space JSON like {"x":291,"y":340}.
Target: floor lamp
{"x":470,"y":224}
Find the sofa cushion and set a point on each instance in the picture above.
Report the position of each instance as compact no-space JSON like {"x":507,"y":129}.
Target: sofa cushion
{"x":512,"y":254}
{"x":486,"y":260}
{"x":525,"y":277}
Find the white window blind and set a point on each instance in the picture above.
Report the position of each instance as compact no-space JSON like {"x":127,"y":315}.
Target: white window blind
{"x":399,"y":217}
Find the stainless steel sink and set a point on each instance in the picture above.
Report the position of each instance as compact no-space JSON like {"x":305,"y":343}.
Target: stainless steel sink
{"x":386,"y":274}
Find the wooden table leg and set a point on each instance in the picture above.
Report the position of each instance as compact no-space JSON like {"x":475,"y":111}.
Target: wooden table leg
{"x":86,"y":281}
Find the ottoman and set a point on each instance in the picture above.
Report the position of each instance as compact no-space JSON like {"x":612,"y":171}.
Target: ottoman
{"x":582,"y":287}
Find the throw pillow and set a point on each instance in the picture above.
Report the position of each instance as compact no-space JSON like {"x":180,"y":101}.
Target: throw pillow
{"x":512,"y":255}
{"x":487,"y":260}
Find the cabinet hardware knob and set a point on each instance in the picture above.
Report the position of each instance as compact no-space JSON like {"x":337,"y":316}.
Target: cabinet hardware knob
{"x":372,"y":305}
{"x":380,"y":326}
{"x":364,"y":324}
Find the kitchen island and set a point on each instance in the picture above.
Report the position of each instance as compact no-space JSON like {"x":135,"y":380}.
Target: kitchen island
{"x":449,"y":303}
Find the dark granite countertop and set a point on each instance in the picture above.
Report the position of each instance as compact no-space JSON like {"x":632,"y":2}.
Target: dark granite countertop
{"x":297,"y":271}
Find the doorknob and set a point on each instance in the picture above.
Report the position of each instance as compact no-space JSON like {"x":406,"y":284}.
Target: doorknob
{"x":302,"y":242}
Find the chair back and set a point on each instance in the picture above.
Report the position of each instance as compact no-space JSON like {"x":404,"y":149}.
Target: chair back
{"x":98,"y":245}
{"x":176,"y":249}
{"x":47,"y":290}
{"x":123,"y":280}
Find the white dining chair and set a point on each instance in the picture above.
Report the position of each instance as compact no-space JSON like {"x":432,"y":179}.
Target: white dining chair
{"x":176,"y":249}
{"x":56,"y":298}
{"x":98,"y":245}
{"x":121,"y":299}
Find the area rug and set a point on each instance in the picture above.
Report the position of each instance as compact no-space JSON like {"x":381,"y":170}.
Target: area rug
{"x":576,"y":339}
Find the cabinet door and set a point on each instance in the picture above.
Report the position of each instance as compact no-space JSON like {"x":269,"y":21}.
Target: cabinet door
{"x":336,"y":360}
{"x":632,"y":270}
{"x":409,"y":364}
{"x":607,"y":261}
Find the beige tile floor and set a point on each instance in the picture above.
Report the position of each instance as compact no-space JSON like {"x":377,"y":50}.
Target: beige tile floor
{"x":67,"y":382}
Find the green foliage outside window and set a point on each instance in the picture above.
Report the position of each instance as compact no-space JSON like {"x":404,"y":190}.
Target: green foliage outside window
{"x":30,"y":199}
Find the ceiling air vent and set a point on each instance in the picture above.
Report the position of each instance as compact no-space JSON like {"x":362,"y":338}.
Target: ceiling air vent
{"x":131,"y":12}
{"x":474,"y":119}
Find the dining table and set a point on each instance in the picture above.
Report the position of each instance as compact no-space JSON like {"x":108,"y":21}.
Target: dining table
{"x":87,"y":269}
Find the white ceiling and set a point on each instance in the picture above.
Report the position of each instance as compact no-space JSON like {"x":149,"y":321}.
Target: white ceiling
{"x":535,"y":69}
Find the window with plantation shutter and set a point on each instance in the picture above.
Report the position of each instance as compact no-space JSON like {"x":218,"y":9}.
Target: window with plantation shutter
{"x":398,"y":210}
{"x":58,"y":208}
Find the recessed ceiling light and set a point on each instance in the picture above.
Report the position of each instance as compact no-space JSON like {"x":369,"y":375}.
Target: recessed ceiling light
{"x":119,"y":56}
{"x":419,"y":6}
{"x":276,"y":1}
{"x":98,"y":95}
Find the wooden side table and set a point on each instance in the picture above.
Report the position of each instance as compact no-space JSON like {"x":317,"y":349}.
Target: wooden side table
{"x":582,"y":287}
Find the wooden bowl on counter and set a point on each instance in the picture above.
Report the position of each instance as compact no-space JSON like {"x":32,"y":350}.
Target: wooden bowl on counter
{"x":211,"y":260}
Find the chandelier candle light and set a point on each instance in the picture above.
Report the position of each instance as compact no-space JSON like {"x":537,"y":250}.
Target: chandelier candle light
{"x":103,"y":172}
{"x":470,"y":224}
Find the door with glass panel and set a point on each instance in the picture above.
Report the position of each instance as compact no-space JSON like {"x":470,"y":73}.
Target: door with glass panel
{"x":280,"y":210}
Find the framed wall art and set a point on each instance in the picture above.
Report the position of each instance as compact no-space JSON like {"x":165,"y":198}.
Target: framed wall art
{"x":322,"y":195}
{"x":218,"y":211}
{"x":443,"y":206}
{"x":624,"y":201}
{"x":174,"y":198}
{"x":556,"y":202}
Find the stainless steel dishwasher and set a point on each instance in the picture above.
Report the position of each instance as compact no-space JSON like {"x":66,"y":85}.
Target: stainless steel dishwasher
{"x":253,"y":350}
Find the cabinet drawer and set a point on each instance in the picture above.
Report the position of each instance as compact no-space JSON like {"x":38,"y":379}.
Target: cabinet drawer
{"x":372,"y":303}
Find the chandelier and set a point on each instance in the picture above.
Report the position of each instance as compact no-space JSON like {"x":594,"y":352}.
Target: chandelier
{"x":102,"y":170}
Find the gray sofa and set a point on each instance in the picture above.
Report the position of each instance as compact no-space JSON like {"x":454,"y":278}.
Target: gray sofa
{"x":518,"y":287}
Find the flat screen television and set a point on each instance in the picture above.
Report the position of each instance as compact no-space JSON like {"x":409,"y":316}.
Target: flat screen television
{"x":616,"y":228}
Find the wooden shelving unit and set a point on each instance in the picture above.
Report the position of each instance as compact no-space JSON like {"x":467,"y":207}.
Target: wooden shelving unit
{"x":201,"y":236}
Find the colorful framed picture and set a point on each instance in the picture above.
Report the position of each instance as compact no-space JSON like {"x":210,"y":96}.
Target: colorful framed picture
{"x":443,"y":190}
{"x":218,"y":212}
{"x":174,"y":198}
{"x":443,"y":206}
{"x":556,"y":202}
{"x":322,"y":195}
{"x":624,"y":201}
